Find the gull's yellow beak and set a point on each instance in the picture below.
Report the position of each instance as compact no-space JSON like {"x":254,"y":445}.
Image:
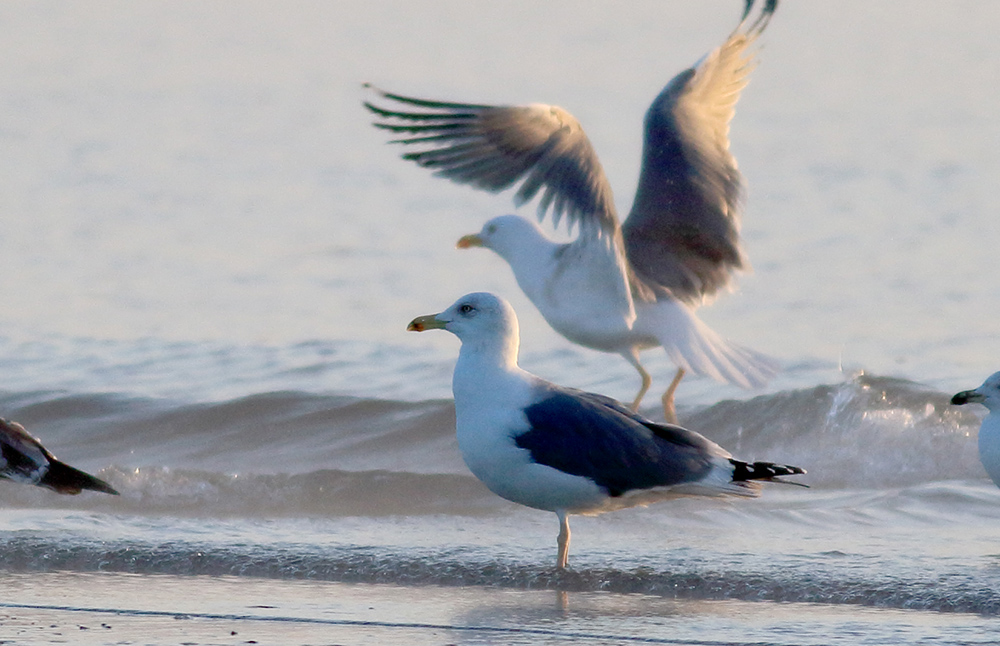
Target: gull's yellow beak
{"x":428,"y":322}
{"x":471,"y":240}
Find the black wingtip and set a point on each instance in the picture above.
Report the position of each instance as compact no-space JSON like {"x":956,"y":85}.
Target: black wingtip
{"x":371,"y":87}
{"x":765,"y":471}
{"x":65,"y":479}
{"x":424,"y":103}
{"x":758,"y":25}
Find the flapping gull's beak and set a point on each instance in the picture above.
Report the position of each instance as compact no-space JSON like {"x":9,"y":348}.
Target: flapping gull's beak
{"x":471,"y":240}
{"x":422,"y":323}
{"x":968,"y":397}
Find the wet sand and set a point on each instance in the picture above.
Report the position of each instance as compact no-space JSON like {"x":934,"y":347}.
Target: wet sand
{"x":73,"y":608}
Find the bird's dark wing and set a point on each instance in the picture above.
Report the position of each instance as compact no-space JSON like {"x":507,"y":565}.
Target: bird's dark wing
{"x":495,"y":147}
{"x":598,"y":438}
{"x":22,"y":457}
{"x":683,"y":230}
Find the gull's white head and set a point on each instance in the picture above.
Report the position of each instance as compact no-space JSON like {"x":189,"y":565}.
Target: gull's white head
{"x":506,"y":235}
{"x":480,"y":320}
{"x":988,"y":394}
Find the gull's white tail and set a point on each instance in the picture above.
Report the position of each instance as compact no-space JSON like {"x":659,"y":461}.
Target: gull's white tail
{"x":694,"y":346}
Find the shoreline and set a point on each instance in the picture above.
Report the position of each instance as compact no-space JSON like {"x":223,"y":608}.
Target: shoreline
{"x":104,"y":608}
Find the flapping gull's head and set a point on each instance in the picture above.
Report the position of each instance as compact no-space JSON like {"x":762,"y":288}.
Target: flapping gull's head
{"x":988,"y":394}
{"x":479,"y":319}
{"x":506,"y":235}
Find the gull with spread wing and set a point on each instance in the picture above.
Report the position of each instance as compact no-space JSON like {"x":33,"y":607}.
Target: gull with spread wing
{"x":617,"y":288}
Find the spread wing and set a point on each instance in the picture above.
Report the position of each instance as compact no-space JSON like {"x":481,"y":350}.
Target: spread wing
{"x":494,"y":147}
{"x":683,"y":230}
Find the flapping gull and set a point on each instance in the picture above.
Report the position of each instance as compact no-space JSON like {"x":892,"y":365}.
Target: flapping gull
{"x":989,"y":432}
{"x":615,"y":288}
{"x":23,"y":459}
{"x":564,"y":450}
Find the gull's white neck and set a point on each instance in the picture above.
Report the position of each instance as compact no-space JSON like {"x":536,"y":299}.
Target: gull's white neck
{"x":581,"y":288}
{"x":486,"y":364}
{"x":532,"y":260}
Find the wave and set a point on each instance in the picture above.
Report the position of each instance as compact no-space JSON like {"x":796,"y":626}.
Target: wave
{"x":325,"y":493}
{"x":290,"y":450}
{"x":867,"y":432}
{"x":278,"y":432}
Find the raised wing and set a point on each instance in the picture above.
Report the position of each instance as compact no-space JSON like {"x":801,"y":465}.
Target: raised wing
{"x":494,"y":147}
{"x":683,"y":230}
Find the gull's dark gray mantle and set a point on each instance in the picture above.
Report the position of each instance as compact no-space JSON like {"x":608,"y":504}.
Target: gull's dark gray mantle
{"x":596,"y":437}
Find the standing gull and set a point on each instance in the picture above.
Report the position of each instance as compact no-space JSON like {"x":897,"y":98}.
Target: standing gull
{"x":614,"y":288}
{"x":565,"y":450}
{"x":23,"y":459}
{"x":989,"y":432}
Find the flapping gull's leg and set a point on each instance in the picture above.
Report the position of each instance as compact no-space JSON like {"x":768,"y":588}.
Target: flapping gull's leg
{"x":563,"y":540}
{"x":632,"y":356}
{"x":669,"y":411}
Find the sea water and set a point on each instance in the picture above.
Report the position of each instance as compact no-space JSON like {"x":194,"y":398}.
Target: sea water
{"x":209,"y":258}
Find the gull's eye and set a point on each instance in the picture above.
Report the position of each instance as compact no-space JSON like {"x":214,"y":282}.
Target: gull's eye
{"x":466,"y":309}
{"x":491,"y":229}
